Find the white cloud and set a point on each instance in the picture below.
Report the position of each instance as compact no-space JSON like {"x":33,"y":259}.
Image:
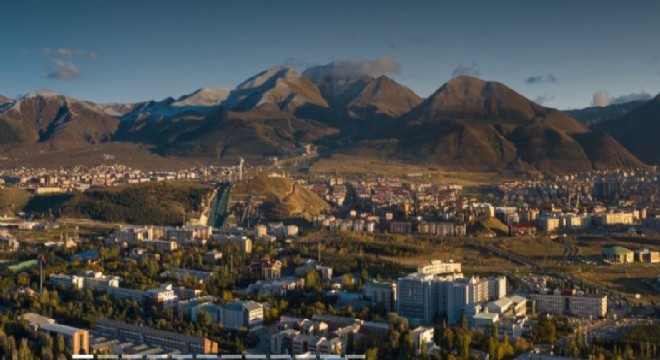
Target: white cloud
{"x":466,"y":70}
{"x":355,"y":68}
{"x":603,"y":98}
{"x":68,"y":53}
{"x":64,"y":70}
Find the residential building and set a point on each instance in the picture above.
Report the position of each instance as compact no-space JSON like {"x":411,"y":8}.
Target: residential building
{"x":161,"y":245}
{"x":76,"y":340}
{"x":648,"y":256}
{"x":8,"y":242}
{"x":400,"y":227}
{"x":212,"y":256}
{"x":267,"y":269}
{"x":484,"y":321}
{"x":622,"y":218}
{"x":324,"y":271}
{"x":276,"y":287}
{"x":422,"y":336}
{"x":141,"y":334}
{"x":548,"y":224}
{"x":569,"y":303}
{"x":515,"y":306}
{"x":438,"y":267}
{"x":180,"y":274}
{"x":380,"y":292}
{"x":242,"y":314}
{"x":442,"y":229}
{"x":163,"y":297}
{"x":496,"y":287}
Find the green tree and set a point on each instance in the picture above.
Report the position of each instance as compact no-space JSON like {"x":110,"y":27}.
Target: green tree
{"x":347,"y":282}
{"x":545,"y":331}
{"x":505,"y":349}
{"x":24,"y":352}
{"x":203,"y":319}
{"x":466,"y":340}
{"x":492,"y":349}
{"x":495,"y":333}
{"x":372,"y":353}
{"x":312,"y":280}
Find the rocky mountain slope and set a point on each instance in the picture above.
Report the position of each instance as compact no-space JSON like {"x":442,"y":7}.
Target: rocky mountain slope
{"x":467,"y":123}
{"x":638,"y":131}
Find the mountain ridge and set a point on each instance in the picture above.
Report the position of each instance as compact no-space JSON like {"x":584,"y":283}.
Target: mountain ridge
{"x":467,"y":122}
{"x":638,"y":130}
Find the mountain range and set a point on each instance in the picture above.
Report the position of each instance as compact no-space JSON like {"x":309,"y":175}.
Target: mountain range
{"x":467,"y":123}
{"x":638,"y":130}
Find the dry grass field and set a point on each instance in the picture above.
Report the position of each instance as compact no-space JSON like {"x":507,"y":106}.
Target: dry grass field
{"x":540,"y":249}
{"x":347,"y":164}
{"x":632,"y":279}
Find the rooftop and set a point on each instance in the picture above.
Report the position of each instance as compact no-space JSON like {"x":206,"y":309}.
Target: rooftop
{"x":60,"y":329}
{"x":616,"y":250}
{"x":486,"y":316}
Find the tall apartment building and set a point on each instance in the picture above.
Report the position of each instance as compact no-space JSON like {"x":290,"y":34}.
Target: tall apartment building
{"x":442,"y":229}
{"x":415,"y":299}
{"x":463,"y":296}
{"x":497,"y":287}
{"x":423,"y":295}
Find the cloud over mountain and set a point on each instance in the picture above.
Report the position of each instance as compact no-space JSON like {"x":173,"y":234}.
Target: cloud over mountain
{"x":466,"y":70}
{"x":603,"y":98}
{"x":356,"y":68}
{"x":64,"y":67}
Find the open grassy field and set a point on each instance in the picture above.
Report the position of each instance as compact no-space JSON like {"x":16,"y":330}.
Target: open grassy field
{"x":473,"y":260}
{"x":393,"y":256}
{"x":160,"y":203}
{"x":41,"y":236}
{"x":632,"y":279}
{"x":13,"y":200}
{"x":347,"y":164}
{"x":540,"y":249}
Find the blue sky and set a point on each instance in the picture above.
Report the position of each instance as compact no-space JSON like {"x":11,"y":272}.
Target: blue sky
{"x":138,"y":50}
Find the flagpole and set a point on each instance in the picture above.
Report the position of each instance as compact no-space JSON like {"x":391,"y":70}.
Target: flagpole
{"x":41,"y":276}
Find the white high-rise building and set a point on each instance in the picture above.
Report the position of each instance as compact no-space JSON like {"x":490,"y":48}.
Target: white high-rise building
{"x":496,"y":287}
{"x":421,"y":296}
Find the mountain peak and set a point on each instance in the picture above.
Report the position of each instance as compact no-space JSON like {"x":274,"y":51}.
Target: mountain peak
{"x":379,"y":96}
{"x":279,"y":88}
{"x":271,"y":74}
{"x":472,"y":99}
{"x":203,"y":97}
